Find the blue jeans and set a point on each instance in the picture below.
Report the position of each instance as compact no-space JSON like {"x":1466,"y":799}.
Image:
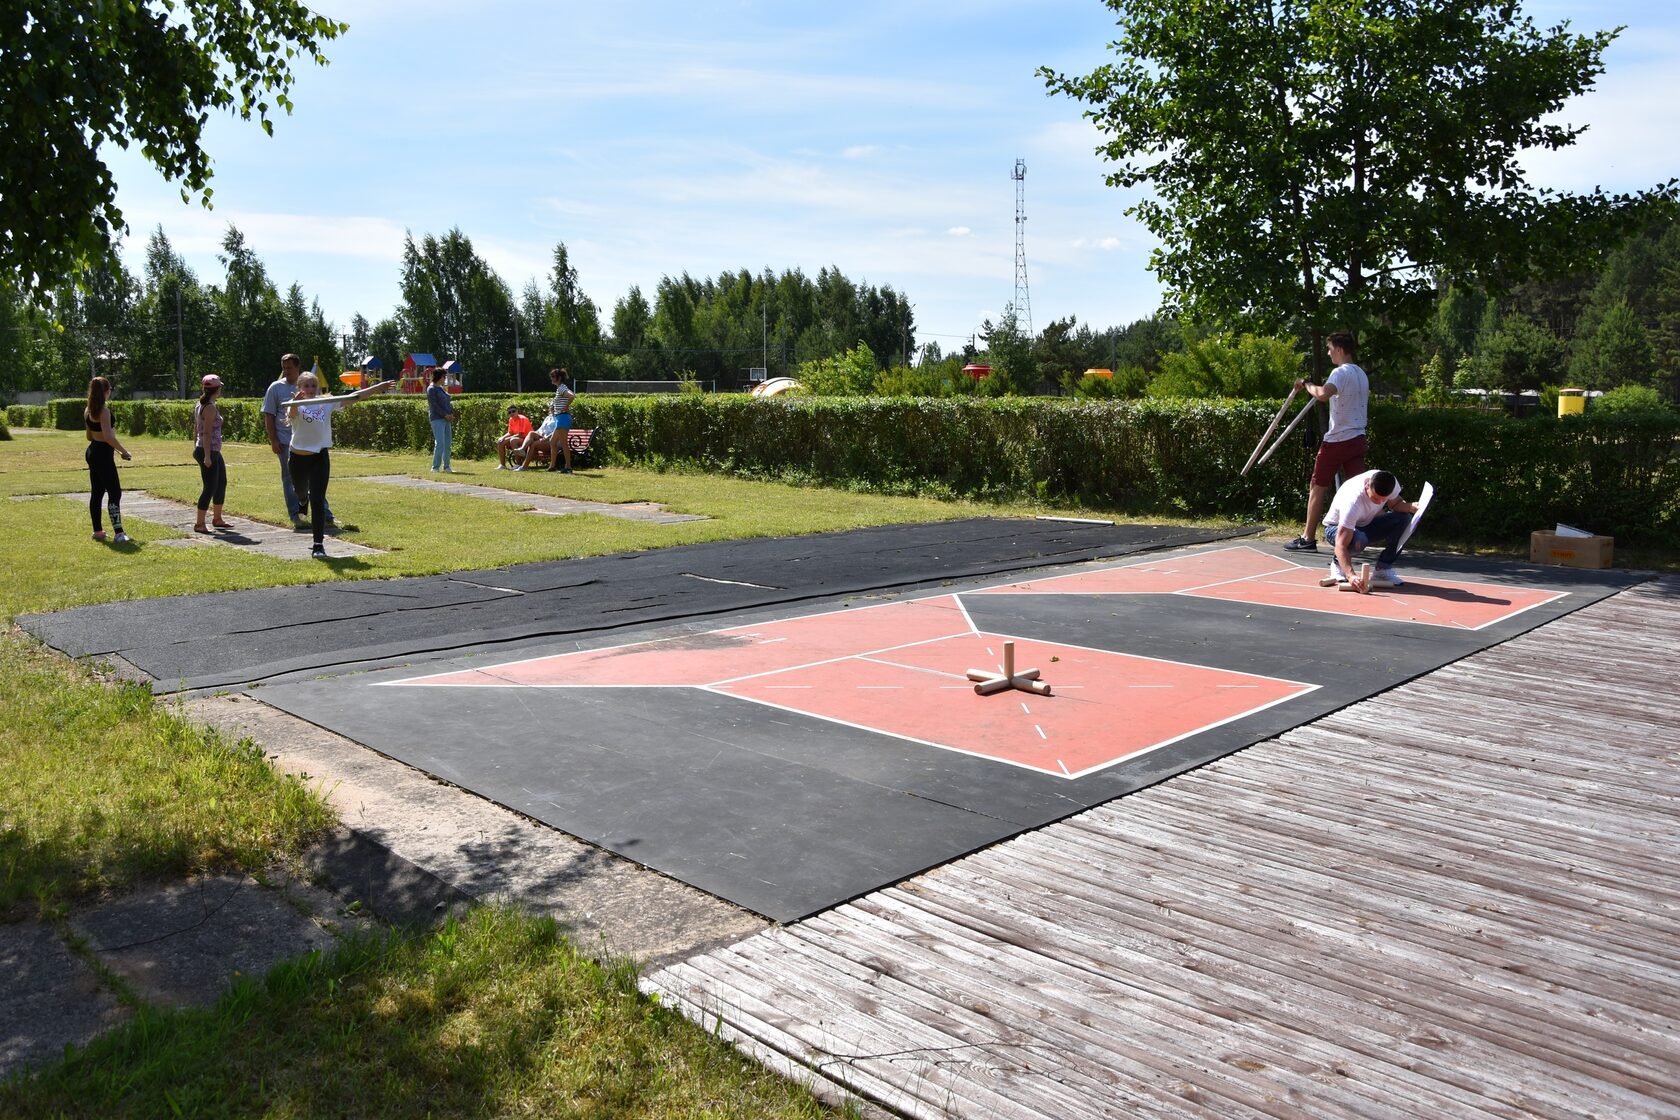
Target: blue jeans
{"x":443,"y":434}
{"x":293,"y":509}
{"x":1385,"y":529}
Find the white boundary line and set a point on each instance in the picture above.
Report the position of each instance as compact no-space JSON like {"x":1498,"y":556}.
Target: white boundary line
{"x":1306,"y":689}
{"x":962,"y":608}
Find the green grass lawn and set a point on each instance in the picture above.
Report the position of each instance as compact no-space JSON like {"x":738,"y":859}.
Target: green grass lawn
{"x":102,"y":787}
{"x":419,"y":533}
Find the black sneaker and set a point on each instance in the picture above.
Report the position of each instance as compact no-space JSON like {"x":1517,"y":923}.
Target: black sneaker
{"x":1301,"y":544}
{"x":317,"y":553}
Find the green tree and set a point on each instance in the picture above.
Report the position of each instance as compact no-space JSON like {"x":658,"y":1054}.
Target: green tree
{"x":455,"y":306}
{"x":1665,"y":339}
{"x":1313,"y":164}
{"x":632,"y":323}
{"x":1240,"y":366}
{"x":1061,"y":357}
{"x":78,"y":77}
{"x":1618,"y":352}
{"x":386,"y":342}
{"x":571,"y":321}
{"x":177,"y":324}
{"x":1010,"y":351}
{"x":256,"y":326}
{"x":1513,"y":353}
{"x":849,"y":374}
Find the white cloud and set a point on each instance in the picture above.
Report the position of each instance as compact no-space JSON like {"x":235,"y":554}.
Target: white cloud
{"x":861,"y":151}
{"x":959,"y":231}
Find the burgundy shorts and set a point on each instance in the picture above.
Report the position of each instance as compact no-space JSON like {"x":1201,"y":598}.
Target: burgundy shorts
{"x":1346,"y":456}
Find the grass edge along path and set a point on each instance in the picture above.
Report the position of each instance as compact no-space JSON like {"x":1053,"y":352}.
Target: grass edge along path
{"x":103,"y":786}
{"x":495,"y":1014}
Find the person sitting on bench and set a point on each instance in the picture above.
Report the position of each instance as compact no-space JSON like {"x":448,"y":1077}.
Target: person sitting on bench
{"x":519,"y":427}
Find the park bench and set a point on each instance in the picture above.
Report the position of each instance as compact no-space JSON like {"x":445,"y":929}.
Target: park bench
{"x":579,"y":438}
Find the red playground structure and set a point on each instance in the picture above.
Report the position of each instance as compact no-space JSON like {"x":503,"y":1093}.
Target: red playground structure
{"x":417,"y":374}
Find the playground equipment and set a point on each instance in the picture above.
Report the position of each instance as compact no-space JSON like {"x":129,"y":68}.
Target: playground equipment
{"x":417,"y":373}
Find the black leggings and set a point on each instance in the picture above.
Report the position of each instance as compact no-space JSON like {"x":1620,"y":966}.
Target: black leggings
{"x":310,"y":474}
{"x":213,"y":473}
{"x":102,"y":474}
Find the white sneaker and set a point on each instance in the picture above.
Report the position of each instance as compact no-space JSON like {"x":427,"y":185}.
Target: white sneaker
{"x":1334,"y":577}
{"x":123,"y":538}
{"x":1386,"y":577}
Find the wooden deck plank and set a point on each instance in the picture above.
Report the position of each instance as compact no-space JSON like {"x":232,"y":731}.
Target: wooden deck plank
{"x":1461,"y":897}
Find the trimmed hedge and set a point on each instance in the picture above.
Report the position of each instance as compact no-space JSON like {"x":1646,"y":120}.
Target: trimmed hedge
{"x":1497,"y":477}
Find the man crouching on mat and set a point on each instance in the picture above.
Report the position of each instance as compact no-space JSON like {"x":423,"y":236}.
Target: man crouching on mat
{"x":1366,"y":510}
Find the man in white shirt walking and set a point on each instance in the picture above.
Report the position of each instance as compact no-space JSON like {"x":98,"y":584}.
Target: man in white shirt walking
{"x":1343,"y":449}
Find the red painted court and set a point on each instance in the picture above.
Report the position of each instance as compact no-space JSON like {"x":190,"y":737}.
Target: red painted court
{"x":1246,"y":575}
{"x":899,"y":668}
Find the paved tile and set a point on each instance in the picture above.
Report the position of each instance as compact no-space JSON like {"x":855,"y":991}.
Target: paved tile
{"x":541,"y":503}
{"x":278,"y":541}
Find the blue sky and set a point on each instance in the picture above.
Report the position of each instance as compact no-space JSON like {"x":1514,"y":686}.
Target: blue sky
{"x":657,"y":138}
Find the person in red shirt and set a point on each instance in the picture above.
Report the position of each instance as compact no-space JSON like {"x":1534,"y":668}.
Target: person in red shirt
{"x":519,"y":426}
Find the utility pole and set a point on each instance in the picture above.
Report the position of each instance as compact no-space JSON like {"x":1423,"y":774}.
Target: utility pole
{"x":518,"y":358}
{"x":180,"y":348}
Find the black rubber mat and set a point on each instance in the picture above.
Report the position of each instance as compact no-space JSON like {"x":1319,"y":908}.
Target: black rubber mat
{"x":788,"y":814}
{"x":237,"y":637}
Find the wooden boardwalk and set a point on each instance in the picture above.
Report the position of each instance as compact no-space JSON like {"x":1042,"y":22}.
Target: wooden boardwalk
{"x":1460,"y":898}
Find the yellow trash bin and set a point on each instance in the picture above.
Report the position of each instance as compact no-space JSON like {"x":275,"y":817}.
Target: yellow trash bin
{"x":1572,"y":402}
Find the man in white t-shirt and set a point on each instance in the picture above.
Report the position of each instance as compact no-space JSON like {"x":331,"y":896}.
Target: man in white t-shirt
{"x":1366,"y":510}
{"x":1343,"y":449}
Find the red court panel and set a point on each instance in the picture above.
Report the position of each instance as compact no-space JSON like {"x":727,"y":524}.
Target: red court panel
{"x":1154,"y":577}
{"x":722,"y":655}
{"x":1106,"y":706}
{"x":1247,"y":575}
{"x":1429,"y":601}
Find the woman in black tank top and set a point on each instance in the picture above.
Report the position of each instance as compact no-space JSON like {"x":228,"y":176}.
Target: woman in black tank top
{"x":102,"y":449}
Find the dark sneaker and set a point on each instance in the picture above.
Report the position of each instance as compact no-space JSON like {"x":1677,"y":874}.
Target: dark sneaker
{"x":1301,"y":544}
{"x":317,"y":553}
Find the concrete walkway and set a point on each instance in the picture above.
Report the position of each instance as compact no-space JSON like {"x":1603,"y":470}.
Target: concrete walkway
{"x":281,"y":542}
{"x":541,"y":503}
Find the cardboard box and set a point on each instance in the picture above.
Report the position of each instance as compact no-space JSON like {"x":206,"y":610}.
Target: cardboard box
{"x":1546,"y":547}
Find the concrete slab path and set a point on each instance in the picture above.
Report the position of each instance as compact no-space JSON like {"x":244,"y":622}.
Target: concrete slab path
{"x":281,"y":542}
{"x":541,"y":503}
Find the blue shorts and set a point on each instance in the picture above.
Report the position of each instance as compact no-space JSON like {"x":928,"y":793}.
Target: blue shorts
{"x":563,"y":420}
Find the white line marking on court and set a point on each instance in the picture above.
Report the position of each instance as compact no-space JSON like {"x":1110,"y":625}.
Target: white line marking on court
{"x":1026,"y":709}
{"x":832,"y":660}
{"x":731,"y":582}
{"x":1065,"y":770}
{"x":1040,"y":731}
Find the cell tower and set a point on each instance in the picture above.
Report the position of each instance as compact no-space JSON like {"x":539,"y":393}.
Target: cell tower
{"x":1023,"y":301}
